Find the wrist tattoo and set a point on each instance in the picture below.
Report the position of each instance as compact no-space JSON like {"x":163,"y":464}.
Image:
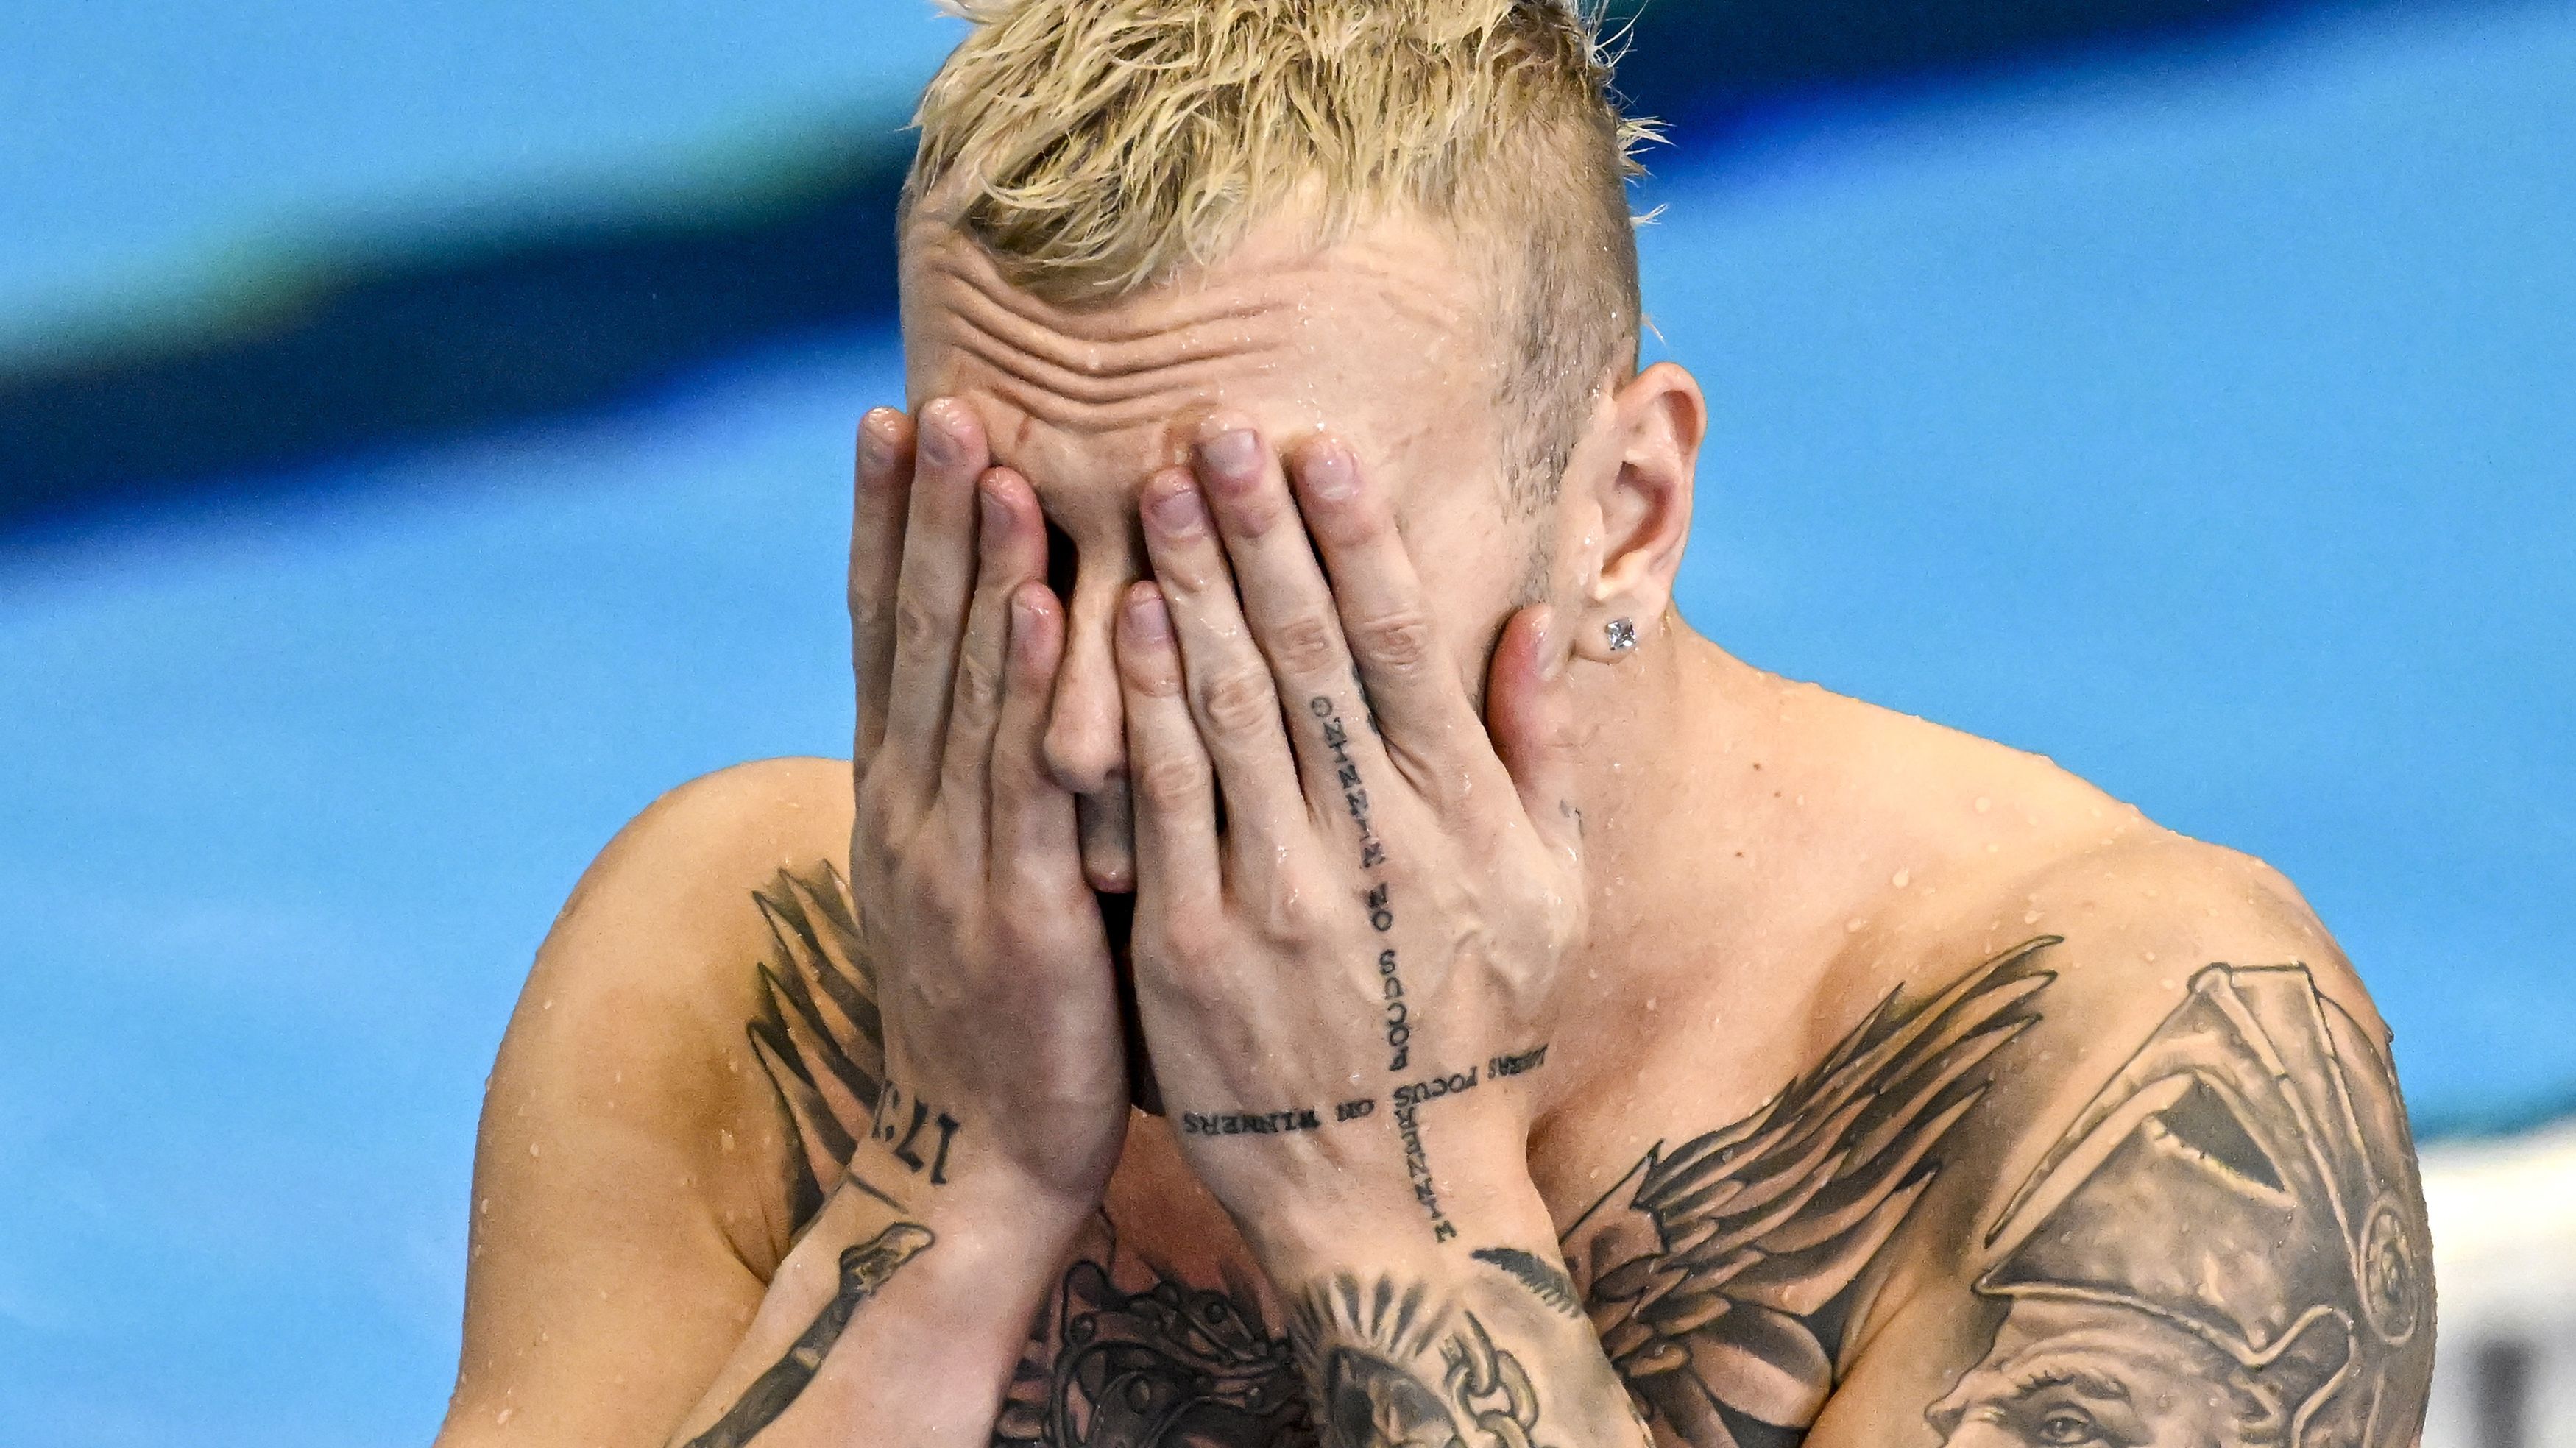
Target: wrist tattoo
{"x":865,"y":1268}
{"x":1257,"y":1123}
{"x":926,"y":1129}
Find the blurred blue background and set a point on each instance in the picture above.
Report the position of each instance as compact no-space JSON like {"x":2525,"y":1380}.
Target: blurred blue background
{"x":2194,"y":403}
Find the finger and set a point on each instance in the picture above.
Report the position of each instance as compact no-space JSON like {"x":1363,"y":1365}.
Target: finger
{"x":1290,"y":610}
{"x":1010,"y":550}
{"x":1414,"y":690}
{"x":882,"y":487}
{"x":1033,"y":838}
{"x":938,"y":572}
{"x":1229,"y":689}
{"x":1168,"y":771}
{"x":1530,"y":714}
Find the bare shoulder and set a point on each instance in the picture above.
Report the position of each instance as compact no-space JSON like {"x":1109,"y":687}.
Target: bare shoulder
{"x":2092,"y":1138}
{"x":636,"y":1171}
{"x":2183,"y":1205}
{"x":656,"y":970}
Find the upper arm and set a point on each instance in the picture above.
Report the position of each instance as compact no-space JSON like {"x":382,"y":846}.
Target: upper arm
{"x":2186,"y":1212}
{"x":634,"y":1175}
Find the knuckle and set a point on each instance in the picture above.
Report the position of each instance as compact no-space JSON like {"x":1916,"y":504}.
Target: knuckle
{"x":1402,"y":640}
{"x":1154,"y":677}
{"x":1259,"y":510}
{"x":1171,"y":783}
{"x":1308,"y":644}
{"x":979,"y":692}
{"x":879,"y":815}
{"x":917,"y":631}
{"x":1183,"y":942}
{"x":1288,"y":915}
{"x":1239,"y":703}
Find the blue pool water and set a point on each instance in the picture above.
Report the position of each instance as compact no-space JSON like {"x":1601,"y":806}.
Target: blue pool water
{"x":2211,"y":428}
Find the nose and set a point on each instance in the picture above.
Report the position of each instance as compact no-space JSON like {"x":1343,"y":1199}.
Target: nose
{"x":1086,"y":735}
{"x":1086,"y":743}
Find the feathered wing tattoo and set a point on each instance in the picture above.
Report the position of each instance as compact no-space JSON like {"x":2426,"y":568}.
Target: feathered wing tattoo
{"x":817,"y":1034}
{"x":1719,"y":1273}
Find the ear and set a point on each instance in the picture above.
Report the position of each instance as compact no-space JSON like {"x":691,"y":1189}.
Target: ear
{"x":1640,"y":489}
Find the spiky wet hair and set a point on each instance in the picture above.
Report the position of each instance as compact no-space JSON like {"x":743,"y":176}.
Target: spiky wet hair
{"x":1097,"y":147}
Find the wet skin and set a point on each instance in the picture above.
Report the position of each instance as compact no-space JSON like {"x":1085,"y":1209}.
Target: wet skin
{"x":1738,"y":965}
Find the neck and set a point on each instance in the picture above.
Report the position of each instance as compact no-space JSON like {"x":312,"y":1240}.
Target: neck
{"x":1674,"y":738}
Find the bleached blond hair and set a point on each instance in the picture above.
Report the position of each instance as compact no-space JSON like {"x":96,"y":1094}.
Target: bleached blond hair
{"x":1094,"y":148}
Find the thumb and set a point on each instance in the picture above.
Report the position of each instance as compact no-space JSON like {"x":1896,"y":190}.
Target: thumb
{"x":1529,"y":711}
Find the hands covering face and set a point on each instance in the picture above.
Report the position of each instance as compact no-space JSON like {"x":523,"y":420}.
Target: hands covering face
{"x":1351,"y":897}
{"x":1004,"y":1066}
{"x":1332,"y":983}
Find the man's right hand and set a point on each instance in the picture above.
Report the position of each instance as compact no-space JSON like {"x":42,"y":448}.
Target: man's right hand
{"x":1006,"y":1081}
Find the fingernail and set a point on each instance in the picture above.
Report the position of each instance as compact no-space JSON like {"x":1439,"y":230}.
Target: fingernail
{"x":1147,"y":618}
{"x":1234,"y":454}
{"x":1179,"y":512}
{"x":1330,"y":476}
{"x":874,"y":445}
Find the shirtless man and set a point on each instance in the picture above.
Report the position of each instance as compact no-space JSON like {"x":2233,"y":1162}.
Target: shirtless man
{"x":1320,"y":938}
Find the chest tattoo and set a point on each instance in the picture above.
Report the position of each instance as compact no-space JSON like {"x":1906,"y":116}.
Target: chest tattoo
{"x":1723,"y":1273}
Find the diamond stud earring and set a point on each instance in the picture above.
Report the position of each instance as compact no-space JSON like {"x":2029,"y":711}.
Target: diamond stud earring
{"x":1623,"y":634}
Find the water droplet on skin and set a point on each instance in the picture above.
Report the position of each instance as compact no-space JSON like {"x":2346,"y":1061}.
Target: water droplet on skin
{"x":532,"y":1148}
{"x":2151,"y":957}
{"x":2030,"y":917}
{"x":502,"y":1418}
{"x":724,"y":1140}
{"x":1902,"y":879}
{"x":1984,"y":804}
{"x":1853,"y":925}
{"x":549,"y":1005}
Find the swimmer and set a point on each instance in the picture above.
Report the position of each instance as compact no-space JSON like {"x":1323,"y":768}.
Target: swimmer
{"x":1313,"y":949}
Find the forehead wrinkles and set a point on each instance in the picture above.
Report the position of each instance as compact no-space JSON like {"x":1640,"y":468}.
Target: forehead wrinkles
{"x":1119,"y":366}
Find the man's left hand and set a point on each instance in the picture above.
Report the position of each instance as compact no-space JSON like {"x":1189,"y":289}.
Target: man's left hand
{"x":1352,"y":898}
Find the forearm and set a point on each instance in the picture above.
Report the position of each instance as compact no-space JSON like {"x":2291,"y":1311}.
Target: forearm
{"x":1479,"y":1340}
{"x":886,"y":1326}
